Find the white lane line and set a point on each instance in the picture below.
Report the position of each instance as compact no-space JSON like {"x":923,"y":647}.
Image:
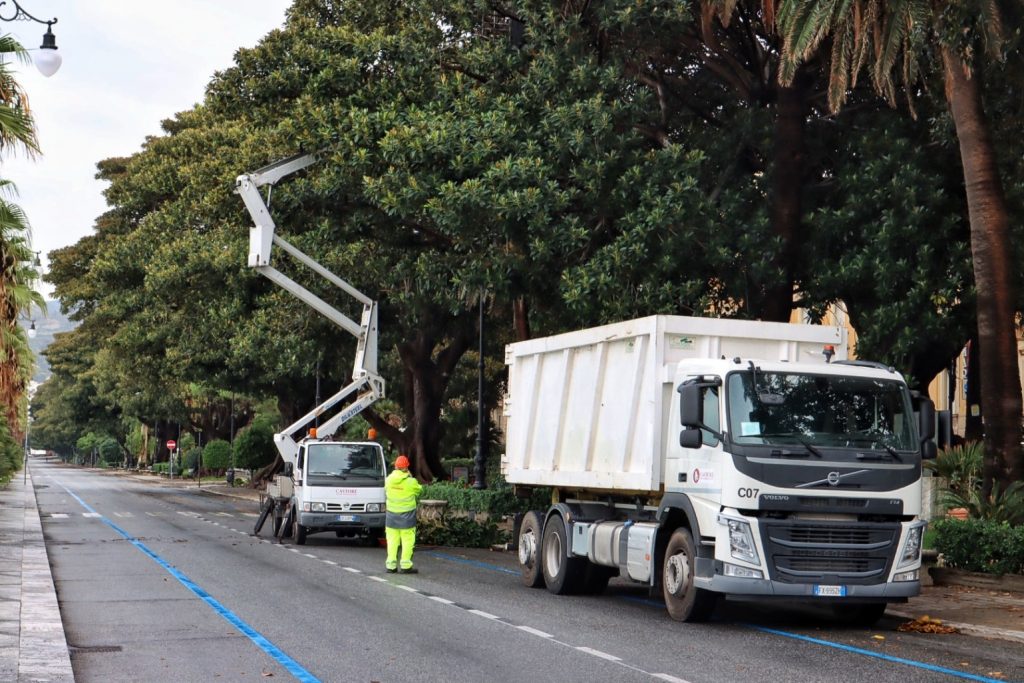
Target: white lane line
{"x":308,"y":555}
{"x":598,"y":653}
{"x":294,"y":550}
{"x":485,"y":615}
{"x":123,"y":514}
{"x":443,"y":601}
{"x":331,"y":562}
{"x":250,"y":514}
{"x":353,"y":570}
{"x":378,"y":579}
{"x":188,"y":513}
{"x":90,"y":514}
{"x":59,"y":515}
{"x":409,"y":588}
{"x":534,"y":631}
{"x":224,"y":514}
{"x":670,"y":679}
{"x":155,"y":514}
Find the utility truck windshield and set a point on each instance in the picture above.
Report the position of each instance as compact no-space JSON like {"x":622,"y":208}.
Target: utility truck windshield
{"x":775,"y":408}
{"x":328,"y":464}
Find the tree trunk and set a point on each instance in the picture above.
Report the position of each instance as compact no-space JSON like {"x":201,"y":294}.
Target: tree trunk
{"x":786,"y":203}
{"x":991,"y":252}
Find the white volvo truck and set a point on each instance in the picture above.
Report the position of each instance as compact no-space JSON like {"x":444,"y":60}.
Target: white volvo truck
{"x":325,"y":485}
{"x":709,"y":458}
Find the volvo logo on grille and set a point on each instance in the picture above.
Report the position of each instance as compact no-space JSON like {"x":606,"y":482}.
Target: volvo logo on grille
{"x":833,"y":479}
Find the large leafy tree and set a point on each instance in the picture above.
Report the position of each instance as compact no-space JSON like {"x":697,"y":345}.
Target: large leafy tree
{"x":893,"y":39}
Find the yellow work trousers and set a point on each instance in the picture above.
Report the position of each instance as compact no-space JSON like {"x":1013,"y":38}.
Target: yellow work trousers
{"x":404,"y":537}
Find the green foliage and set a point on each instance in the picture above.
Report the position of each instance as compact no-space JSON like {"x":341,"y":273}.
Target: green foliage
{"x":217,"y":455}
{"x":109,"y":451}
{"x":191,"y":458}
{"x":960,"y":466}
{"x":461,"y":532}
{"x":11,"y":454}
{"x":981,"y":545}
{"x":254,"y":445}
{"x":497,"y":500}
{"x":1003,"y":504}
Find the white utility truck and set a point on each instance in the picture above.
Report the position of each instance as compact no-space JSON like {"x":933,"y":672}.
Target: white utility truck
{"x":325,"y":485}
{"x":707,"y":458}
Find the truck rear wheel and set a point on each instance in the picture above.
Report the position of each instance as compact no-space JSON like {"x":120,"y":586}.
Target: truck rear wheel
{"x":529,"y":550}
{"x":562,"y":574}
{"x":685,"y":602}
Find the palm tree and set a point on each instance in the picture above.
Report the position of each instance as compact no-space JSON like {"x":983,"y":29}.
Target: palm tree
{"x":891,"y":38}
{"x":17,"y":128}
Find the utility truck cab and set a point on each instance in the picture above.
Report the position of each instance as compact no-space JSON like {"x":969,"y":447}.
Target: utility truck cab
{"x":339,"y":487}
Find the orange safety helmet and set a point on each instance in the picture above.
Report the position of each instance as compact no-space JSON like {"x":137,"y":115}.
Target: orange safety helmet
{"x":402,"y":463}
{"x":371,"y":434}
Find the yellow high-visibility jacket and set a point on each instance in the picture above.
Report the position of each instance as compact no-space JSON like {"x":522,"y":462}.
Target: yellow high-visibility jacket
{"x":402,"y":491}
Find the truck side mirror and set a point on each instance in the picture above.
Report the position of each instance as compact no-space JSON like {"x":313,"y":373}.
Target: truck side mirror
{"x":926,"y":419}
{"x":300,"y":459}
{"x":690,"y":438}
{"x":691,"y":405}
{"x":929,"y":451}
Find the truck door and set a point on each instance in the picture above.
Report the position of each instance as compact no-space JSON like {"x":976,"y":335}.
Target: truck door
{"x":698,"y":471}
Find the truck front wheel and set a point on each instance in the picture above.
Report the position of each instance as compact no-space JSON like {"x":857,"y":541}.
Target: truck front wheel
{"x":299,"y":532}
{"x":529,"y":550}
{"x":685,"y":602}
{"x":562,"y":573}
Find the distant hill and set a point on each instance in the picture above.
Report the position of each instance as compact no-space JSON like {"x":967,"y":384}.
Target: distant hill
{"x":47,"y":326}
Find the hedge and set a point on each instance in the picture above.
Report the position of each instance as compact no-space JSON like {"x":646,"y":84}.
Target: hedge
{"x":217,"y":456}
{"x":497,"y":500}
{"x":980,"y":545}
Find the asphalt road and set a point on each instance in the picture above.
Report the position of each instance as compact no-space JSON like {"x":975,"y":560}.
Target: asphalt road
{"x":158,"y":582}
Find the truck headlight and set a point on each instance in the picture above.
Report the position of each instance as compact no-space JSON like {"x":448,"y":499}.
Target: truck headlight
{"x":741,"y":540}
{"x":373,"y":507}
{"x":912,"y":546}
{"x":318,"y":507}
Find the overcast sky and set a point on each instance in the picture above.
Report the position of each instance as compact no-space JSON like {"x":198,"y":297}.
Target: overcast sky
{"x":128,"y":64}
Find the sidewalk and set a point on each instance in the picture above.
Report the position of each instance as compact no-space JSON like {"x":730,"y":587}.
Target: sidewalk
{"x":32,"y":643}
{"x":973,"y":611}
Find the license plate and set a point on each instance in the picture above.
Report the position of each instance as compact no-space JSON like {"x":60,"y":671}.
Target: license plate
{"x":830,"y":591}
{"x":348,"y":518}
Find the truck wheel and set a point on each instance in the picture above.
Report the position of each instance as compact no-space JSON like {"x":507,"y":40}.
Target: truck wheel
{"x":864,"y":615}
{"x":529,"y":550}
{"x":563,"y":575}
{"x":684,"y":601}
{"x":298,"y":532}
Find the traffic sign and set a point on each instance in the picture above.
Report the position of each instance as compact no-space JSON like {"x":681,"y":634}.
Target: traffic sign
{"x":171,"y":443}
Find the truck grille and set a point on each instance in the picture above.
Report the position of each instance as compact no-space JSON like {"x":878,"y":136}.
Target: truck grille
{"x":346,"y":507}
{"x":826,"y":552}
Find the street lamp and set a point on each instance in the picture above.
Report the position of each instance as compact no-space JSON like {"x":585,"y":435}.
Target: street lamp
{"x":47,"y":60}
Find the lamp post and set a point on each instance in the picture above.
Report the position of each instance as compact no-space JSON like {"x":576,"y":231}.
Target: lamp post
{"x":47,"y":59}
{"x":480,"y":460}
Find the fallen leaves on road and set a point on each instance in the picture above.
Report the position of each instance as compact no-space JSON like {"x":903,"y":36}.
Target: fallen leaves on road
{"x":926,"y":624}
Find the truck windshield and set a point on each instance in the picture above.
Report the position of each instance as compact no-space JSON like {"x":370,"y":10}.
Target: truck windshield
{"x":328,"y":463}
{"x":807,"y":410}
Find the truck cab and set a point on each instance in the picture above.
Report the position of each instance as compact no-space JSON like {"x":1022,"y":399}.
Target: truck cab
{"x":339,"y":487}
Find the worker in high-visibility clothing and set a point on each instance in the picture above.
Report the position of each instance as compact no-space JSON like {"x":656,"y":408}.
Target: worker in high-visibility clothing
{"x":402,"y":492}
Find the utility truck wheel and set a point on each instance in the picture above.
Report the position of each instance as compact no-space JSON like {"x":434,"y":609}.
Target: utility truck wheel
{"x":685,"y":602}
{"x":562,"y":574}
{"x":529,"y":550}
{"x":298,"y":532}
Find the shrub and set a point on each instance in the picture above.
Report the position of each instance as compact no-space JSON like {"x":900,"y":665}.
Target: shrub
{"x":981,"y":545}
{"x":497,"y":500}
{"x":960,"y":466}
{"x":254,"y":445}
{"x":461,"y":533}
{"x":191,"y":458}
{"x":217,"y":455}
{"x":1001,"y":505}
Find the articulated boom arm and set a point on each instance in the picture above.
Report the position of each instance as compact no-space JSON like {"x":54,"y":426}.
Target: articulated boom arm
{"x":366,"y":385}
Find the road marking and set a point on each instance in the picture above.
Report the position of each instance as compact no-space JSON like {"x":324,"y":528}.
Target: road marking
{"x":293,"y":550}
{"x":292,"y":666}
{"x":59,"y":515}
{"x":155,"y":514}
{"x":409,"y":588}
{"x":598,"y":653}
{"x":481,"y":613}
{"x":188,"y":513}
{"x":536,"y":632}
{"x":91,"y":514}
{"x":308,"y":555}
{"x":123,"y":514}
{"x":352,"y":569}
{"x":224,"y":514}
{"x":670,"y":679}
{"x":378,"y":579}
{"x":330,"y":562}
{"x":443,"y":601}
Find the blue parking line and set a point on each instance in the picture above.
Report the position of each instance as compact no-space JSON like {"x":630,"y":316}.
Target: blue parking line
{"x":293,"y":667}
{"x":786,"y":634}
